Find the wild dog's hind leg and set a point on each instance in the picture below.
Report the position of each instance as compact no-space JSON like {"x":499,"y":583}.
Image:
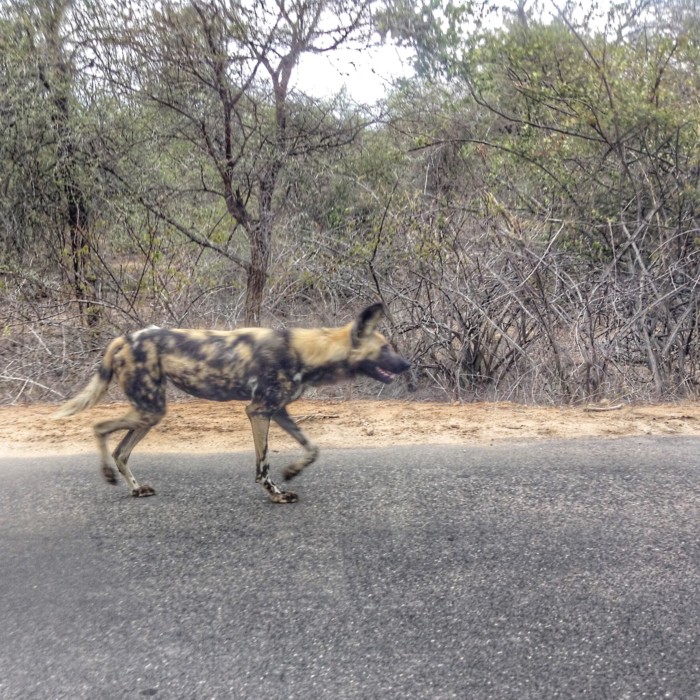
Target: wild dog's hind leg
{"x":286,"y":422}
{"x":260,"y":423}
{"x":121,"y":457}
{"x":137,"y":423}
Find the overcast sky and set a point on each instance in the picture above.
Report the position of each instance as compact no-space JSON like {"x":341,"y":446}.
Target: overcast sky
{"x":366,"y":74}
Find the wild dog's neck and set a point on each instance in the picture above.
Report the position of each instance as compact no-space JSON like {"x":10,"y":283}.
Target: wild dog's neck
{"x":329,"y":373}
{"x":322,"y":353}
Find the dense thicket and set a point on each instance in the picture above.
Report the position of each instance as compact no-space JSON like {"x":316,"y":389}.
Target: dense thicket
{"x":526,"y":207}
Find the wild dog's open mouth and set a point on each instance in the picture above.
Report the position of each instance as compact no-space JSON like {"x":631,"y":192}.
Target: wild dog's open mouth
{"x":391,"y":366}
{"x":385,"y":375}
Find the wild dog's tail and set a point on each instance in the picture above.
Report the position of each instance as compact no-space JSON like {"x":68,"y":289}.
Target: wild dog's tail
{"x":96,"y":388}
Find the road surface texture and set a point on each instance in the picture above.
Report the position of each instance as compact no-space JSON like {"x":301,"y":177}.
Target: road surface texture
{"x":543,"y":570}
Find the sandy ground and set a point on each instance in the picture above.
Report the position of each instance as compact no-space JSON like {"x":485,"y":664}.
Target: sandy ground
{"x":198,"y":426}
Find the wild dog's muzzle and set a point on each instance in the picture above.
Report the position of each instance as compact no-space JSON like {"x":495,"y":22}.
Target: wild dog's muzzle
{"x":386,"y":368}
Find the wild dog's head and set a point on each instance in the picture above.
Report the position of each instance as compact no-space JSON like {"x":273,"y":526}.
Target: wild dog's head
{"x":371,"y":354}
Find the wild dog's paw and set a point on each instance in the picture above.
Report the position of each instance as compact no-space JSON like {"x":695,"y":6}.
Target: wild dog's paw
{"x":290,"y":472}
{"x":297,"y":467}
{"x":143,"y":491}
{"x":284,"y":497}
{"x":108,"y":473}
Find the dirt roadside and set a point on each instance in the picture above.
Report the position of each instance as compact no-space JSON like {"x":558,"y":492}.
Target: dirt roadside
{"x":199,"y":426}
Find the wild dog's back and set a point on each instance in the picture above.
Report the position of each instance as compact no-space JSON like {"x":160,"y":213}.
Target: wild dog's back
{"x":214,"y":365}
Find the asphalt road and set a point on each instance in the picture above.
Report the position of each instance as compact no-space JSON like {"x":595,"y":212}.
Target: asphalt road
{"x":548,"y":570}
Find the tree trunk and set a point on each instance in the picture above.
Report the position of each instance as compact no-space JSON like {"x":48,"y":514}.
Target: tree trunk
{"x":257,"y":274}
{"x":78,"y":226}
{"x":260,"y":243}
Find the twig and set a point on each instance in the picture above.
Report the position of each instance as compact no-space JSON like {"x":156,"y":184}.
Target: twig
{"x":601,"y":409}
{"x":26,"y":381}
{"x":321,"y":416}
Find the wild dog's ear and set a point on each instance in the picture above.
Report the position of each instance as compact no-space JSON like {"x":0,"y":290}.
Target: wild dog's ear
{"x":366,"y":322}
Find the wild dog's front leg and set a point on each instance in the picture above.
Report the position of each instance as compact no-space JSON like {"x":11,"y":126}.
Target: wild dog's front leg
{"x":286,"y":422}
{"x":260,"y":423}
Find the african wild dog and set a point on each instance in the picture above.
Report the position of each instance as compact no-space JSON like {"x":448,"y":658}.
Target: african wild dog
{"x":269,"y":368}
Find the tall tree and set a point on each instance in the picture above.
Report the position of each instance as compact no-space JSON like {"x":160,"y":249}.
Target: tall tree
{"x":218,"y":76}
{"x":44,"y":124}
